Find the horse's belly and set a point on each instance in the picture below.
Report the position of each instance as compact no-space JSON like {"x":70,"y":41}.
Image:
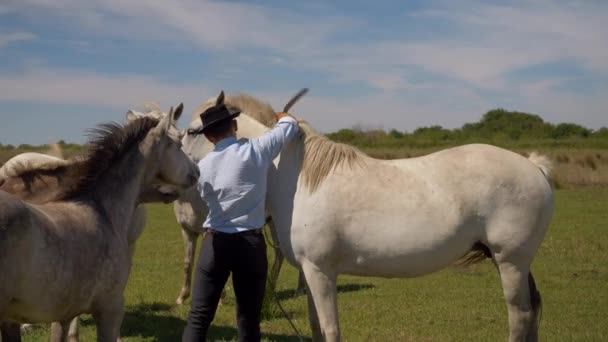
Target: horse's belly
{"x":62,"y":291}
{"x":396,"y":267}
{"x":403,"y":257}
{"x":24,"y":312}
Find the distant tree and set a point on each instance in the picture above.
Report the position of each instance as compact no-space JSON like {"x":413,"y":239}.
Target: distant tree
{"x":565,"y":130}
{"x":395,"y":134}
{"x":514,"y":125}
{"x":344,"y":135}
{"x":601,"y":133}
{"x":434,"y":133}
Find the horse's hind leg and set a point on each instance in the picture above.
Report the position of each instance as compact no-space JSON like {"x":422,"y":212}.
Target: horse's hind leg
{"x":536,"y":307}
{"x":73,"y":332}
{"x":522,"y":298}
{"x":278,"y":257}
{"x":10,"y":332}
{"x":190,"y":239}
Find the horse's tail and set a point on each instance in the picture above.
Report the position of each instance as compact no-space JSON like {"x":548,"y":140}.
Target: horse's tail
{"x":535,"y":299}
{"x":543,"y":163}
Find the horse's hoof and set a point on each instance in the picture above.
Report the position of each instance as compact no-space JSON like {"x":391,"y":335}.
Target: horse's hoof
{"x":179,"y":301}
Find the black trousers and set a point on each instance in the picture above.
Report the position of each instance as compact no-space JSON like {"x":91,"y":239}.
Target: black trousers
{"x":243,"y":254}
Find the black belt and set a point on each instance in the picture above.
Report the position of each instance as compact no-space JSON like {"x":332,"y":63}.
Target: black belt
{"x":257,"y":231}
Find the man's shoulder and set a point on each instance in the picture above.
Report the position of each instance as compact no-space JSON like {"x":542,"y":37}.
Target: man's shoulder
{"x":206,"y":160}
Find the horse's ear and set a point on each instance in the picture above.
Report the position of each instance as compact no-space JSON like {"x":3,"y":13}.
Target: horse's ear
{"x":168,"y":120}
{"x":178,"y":111}
{"x":220,"y":98}
{"x":131,"y":115}
{"x":164,"y":124}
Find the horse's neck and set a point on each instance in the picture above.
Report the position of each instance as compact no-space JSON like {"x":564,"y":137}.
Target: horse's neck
{"x":282,"y":188}
{"x":117,"y":191}
{"x":250,"y":128}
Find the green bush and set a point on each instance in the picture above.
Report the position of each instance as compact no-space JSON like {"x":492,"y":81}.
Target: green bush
{"x":498,"y":127}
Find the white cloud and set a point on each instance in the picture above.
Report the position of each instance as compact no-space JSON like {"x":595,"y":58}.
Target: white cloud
{"x":208,"y":24}
{"x":13,"y":37}
{"x":121,"y":91}
{"x":441,"y":79}
{"x":487,"y":41}
{"x":539,"y":31}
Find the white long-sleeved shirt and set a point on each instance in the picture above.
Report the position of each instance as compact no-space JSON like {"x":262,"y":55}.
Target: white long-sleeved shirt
{"x":234,"y":177}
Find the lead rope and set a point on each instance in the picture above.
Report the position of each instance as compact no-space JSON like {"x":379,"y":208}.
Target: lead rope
{"x":274,"y":296}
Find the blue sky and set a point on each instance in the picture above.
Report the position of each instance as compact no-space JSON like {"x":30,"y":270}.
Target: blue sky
{"x":66,"y":65}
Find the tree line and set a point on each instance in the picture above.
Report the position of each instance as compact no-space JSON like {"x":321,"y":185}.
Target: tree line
{"x":497,"y":126}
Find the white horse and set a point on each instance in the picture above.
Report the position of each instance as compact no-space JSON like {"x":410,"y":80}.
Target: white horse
{"x":338,"y":211}
{"x":37,"y":177}
{"x":71,"y":255}
{"x":191,"y":210}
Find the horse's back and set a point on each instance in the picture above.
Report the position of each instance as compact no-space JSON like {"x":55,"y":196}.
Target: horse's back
{"x":485,"y":169}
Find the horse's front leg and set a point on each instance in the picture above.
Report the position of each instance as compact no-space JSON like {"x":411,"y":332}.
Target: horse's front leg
{"x":61,"y":331}
{"x":313,"y":319}
{"x":10,"y":332}
{"x":108,"y":319}
{"x":322,"y":288}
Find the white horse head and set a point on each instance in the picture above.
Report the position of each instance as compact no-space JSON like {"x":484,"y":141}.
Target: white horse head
{"x":152,"y":110}
{"x":159,"y":190}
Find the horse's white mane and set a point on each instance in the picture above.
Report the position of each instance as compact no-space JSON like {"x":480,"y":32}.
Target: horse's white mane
{"x":246,"y":104}
{"x":322,"y":155}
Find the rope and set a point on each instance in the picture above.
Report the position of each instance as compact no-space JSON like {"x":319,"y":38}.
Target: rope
{"x":293,"y":326}
{"x":270,"y":242}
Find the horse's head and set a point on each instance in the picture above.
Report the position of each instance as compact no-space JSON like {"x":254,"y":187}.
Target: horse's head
{"x":196,"y":146}
{"x":153,"y":111}
{"x":169,"y":171}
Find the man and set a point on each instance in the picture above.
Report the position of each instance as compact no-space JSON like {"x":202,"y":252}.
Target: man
{"x":233,"y":183}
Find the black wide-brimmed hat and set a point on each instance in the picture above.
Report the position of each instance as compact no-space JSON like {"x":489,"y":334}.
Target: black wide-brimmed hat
{"x":213,"y":115}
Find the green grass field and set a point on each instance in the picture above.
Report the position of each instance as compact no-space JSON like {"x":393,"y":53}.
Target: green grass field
{"x":571,"y":271}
